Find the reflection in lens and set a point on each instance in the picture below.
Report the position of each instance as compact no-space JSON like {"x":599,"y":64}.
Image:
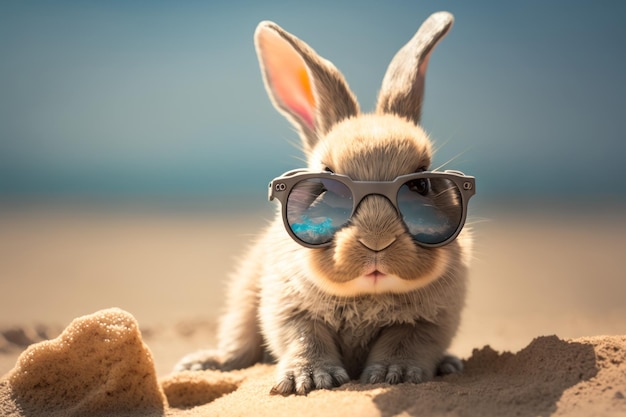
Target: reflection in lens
{"x":317,"y":208}
{"x":434,"y":216}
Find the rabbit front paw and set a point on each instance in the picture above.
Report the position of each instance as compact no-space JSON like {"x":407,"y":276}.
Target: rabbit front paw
{"x":394,"y":372}
{"x":449,"y":364}
{"x":303,"y":378}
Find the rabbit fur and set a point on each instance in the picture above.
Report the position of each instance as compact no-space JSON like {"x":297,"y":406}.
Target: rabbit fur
{"x":315,"y":311}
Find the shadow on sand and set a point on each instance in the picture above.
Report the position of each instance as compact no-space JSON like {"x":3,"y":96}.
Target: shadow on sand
{"x":527,"y":383}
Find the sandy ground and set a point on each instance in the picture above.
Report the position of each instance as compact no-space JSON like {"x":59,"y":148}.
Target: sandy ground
{"x":551,"y":271}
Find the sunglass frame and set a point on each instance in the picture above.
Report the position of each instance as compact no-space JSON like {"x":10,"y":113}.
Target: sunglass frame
{"x":280,"y":188}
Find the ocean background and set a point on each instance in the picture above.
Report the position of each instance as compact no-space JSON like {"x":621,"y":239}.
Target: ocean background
{"x":162,"y":102}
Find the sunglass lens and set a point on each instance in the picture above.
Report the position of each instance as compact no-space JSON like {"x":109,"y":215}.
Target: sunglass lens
{"x":431,"y":208}
{"x":317,"y":208}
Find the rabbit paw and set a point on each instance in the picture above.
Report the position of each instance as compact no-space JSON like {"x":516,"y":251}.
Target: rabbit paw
{"x":302,"y":379}
{"x":449,"y":365}
{"x":199,"y":361}
{"x":394,"y":373}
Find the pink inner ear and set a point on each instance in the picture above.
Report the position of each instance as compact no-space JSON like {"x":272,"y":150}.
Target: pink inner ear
{"x":421,"y":69}
{"x":288,"y":77}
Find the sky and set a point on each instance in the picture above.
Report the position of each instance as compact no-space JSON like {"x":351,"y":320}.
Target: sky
{"x":165,"y":100}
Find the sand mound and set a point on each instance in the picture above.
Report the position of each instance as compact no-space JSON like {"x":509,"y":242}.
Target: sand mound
{"x":97,"y":366}
{"x":188,"y":389}
{"x":100,"y":366}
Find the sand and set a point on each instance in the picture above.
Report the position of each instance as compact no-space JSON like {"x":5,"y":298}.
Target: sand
{"x":542,"y":334}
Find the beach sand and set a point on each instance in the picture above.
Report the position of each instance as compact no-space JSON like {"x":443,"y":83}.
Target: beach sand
{"x":542,"y":332}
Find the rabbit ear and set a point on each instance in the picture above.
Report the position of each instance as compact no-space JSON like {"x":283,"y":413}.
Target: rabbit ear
{"x":402,"y":91}
{"x":306,"y":88}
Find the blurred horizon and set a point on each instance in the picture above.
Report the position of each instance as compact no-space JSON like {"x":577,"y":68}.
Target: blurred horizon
{"x":163,"y":102}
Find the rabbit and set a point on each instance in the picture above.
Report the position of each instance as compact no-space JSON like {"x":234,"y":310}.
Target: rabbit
{"x":372,"y":305}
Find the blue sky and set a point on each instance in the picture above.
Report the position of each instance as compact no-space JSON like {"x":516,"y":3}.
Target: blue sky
{"x":128,"y":98}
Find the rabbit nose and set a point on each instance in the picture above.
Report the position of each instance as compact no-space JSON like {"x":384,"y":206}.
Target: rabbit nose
{"x":376,"y":243}
{"x":376,"y":222}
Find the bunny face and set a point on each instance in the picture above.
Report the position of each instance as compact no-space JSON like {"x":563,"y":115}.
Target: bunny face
{"x":374,"y":253}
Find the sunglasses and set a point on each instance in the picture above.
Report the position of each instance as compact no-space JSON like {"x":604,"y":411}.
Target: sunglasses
{"x":315,"y":205}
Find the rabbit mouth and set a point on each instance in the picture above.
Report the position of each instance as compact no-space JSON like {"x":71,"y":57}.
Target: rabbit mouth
{"x":376,"y":275}
{"x":379,"y":276}
{"x":375,"y":278}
